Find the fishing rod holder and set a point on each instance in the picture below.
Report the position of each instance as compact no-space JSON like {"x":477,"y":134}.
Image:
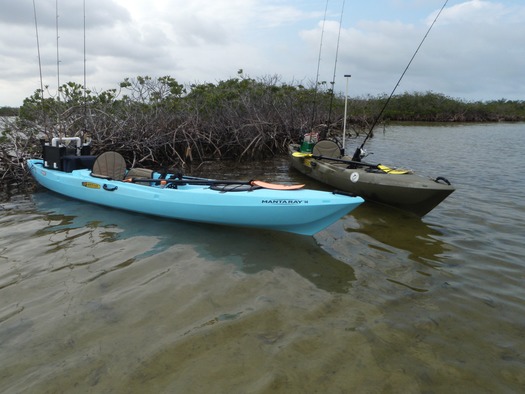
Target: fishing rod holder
{"x":58,"y":154}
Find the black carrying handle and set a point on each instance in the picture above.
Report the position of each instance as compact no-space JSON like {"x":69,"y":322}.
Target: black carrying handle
{"x":109,"y":188}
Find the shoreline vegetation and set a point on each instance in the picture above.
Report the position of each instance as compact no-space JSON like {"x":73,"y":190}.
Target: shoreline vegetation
{"x":158,"y":122}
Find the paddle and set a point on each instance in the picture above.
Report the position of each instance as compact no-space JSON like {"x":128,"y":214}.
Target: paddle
{"x":381,"y":167}
{"x":211,"y":182}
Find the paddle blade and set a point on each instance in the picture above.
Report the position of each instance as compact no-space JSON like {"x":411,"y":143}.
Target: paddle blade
{"x":301,"y":154}
{"x":276,"y":186}
{"x":393,"y":171}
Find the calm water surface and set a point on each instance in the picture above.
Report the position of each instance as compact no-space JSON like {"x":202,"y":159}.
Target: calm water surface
{"x":94,"y":300}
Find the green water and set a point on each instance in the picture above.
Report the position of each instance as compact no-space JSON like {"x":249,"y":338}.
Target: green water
{"x":101,"y":301}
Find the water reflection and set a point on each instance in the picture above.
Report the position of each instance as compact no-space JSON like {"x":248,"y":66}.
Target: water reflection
{"x":165,"y":323}
{"x":250,"y":250}
{"x":399,"y":230}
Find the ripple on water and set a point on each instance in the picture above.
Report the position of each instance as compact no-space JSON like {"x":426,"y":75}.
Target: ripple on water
{"x":98,"y":300}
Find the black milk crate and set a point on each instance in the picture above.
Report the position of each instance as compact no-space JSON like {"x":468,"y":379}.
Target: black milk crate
{"x":55,"y":154}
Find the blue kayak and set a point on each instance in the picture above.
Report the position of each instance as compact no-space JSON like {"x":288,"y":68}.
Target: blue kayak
{"x":235,"y":203}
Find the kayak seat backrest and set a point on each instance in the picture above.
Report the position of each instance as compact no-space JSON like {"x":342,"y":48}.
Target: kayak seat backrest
{"x":326,"y":148}
{"x":143,"y":173}
{"x":109,"y":165}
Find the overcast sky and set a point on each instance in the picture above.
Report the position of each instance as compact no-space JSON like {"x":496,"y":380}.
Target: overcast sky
{"x":475,"y":51}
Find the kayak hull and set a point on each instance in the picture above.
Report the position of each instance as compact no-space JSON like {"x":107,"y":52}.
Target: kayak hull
{"x":298,"y":211}
{"x":408,"y":191}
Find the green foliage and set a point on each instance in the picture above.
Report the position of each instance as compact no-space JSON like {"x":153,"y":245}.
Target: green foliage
{"x":159,"y":122}
{"x":436,"y":107}
{"x":156,"y":120}
{"x":8,"y":111}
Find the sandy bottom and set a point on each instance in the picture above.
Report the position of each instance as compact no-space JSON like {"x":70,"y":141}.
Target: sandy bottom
{"x":91,"y":307}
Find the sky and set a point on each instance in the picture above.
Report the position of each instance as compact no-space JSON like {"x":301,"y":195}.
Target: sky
{"x":475,"y":51}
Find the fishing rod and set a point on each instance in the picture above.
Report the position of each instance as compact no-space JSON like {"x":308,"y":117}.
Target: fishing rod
{"x":40,"y":69}
{"x":58,"y":52}
{"x":318,"y":65}
{"x":358,"y":152}
{"x":85,"y":93}
{"x":38,"y":50}
{"x":335,"y":68}
{"x":59,"y":125}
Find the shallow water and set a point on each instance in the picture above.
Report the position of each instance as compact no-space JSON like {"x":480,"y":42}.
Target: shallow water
{"x":96,"y":300}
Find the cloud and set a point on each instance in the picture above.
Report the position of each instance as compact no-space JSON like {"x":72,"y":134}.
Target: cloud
{"x":475,"y":51}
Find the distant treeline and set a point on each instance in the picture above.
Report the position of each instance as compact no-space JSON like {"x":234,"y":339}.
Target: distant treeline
{"x":159,"y":122}
{"x":435,"y":107}
{"x":406,"y":107}
{"x":9,"y":111}
{"x":414,"y":107}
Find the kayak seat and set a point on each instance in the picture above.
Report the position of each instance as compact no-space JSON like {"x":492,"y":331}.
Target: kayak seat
{"x":109,"y":165}
{"x":326,"y":148}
